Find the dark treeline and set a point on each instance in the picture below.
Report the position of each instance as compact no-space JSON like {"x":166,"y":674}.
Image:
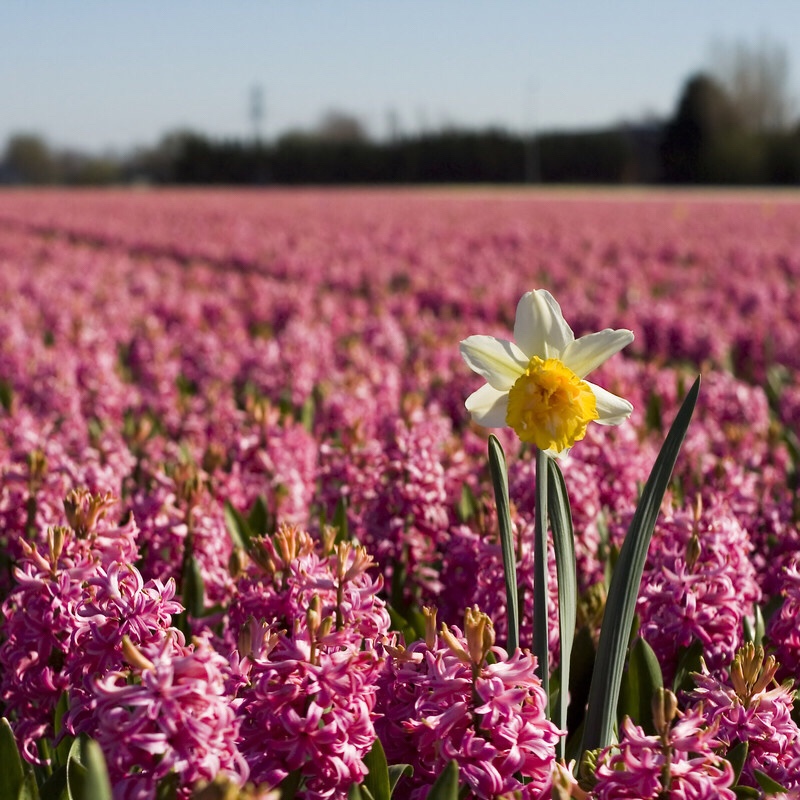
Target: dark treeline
{"x":708,"y":140}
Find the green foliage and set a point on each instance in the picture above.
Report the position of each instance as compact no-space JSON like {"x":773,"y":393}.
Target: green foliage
{"x":12,"y":773}
{"x":446,"y":785}
{"x":87,"y":775}
{"x":624,"y":589}
{"x":639,"y":683}
{"x":564,"y":546}
{"x":499,"y":471}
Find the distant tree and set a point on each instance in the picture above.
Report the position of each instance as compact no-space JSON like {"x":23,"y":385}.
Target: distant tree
{"x":756,"y":79}
{"x":703,"y":126}
{"x":339,"y":126}
{"x":28,"y":159}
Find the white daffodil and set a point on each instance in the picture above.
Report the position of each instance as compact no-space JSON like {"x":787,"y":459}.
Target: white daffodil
{"x":536,"y":385}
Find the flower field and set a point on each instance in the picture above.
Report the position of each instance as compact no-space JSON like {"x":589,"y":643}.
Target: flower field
{"x":250,"y":540}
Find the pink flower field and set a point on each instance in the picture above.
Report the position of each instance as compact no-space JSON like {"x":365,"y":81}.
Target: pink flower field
{"x":249,"y":540}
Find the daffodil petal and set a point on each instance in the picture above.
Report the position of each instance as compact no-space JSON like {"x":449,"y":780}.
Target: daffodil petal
{"x":499,"y":361}
{"x":611,"y":410}
{"x":540,"y":328}
{"x":589,"y":352}
{"x":488,"y":407}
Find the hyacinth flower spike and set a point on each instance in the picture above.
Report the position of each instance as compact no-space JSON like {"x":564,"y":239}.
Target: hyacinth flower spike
{"x":536,"y":384}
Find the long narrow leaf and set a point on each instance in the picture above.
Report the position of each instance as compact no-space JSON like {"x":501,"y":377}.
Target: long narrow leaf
{"x":499,"y":471}
{"x":446,"y":785}
{"x":564,"y":545}
{"x":12,"y":772}
{"x":541,"y":640}
{"x":377,"y":778}
{"x":624,"y":588}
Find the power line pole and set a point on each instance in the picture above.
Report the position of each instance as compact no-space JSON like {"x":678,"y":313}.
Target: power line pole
{"x":256,"y":111}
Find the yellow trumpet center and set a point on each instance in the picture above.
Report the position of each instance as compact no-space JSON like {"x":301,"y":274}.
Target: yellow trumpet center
{"x":550,"y":406}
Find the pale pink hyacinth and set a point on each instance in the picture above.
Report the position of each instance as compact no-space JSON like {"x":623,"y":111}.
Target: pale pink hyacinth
{"x":637,"y":767}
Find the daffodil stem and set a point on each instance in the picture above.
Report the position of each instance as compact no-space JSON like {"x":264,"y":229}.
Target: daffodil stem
{"x":540,"y":626}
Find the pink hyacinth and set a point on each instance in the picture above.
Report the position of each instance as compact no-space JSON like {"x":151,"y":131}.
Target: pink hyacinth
{"x":783,"y":630}
{"x":679,"y":764}
{"x":751,"y":707}
{"x":698,"y":584}
{"x":175,"y":717}
{"x":306,"y":665}
{"x":441,"y":700}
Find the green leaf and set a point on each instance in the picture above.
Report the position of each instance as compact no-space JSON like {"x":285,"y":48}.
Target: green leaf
{"x":289,"y":786}
{"x":55,"y":787}
{"x":746,"y":792}
{"x":237,"y":526}
{"x":541,"y":640}
{"x":167,"y":788}
{"x":62,"y":749}
{"x":499,"y":471}
{"x":29,"y":790}
{"x":624,"y":588}
{"x":688,"y":663}
{"x":377,"y":779}
{"x":98,"y":785}
{"x":639,"y":683}
{"x":467,"y":506}
{"x":564,"y":545}
{"x":446,"y":785}
{"x":754,"y":631}
{"x":259,"y":520}
{"x":767,"y":783}
{"x":339,"y":520}
{"x":12,"y":773}
{"x":76,"y":773}
{"x":193,"y":589}
{"x":396,"y":771}
{"x":737,"y":756}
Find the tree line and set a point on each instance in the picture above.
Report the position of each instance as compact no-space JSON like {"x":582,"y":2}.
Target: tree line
{"x":716,"y":135}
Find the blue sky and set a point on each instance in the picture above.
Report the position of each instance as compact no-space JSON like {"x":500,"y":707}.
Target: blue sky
{"x":112,"y":74}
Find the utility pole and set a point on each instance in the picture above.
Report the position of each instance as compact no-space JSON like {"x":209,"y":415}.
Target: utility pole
{"x":256,"y":111}
{"x":532,"y":165}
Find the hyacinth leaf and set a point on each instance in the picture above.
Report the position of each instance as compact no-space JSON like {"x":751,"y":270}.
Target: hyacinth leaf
{"x":167,"y":788}
{"x":467,"y":506}
{"x":499,"y":471}
{"x":29,"y":789}
{"x":639,"y":683}
{"x":624,"y":589}
{"x":259,"y":520}
{"x":746,"y":792}
{"x":541,"y":639}
{"x":193,"y":590}
{"x":359,"y":792}
{"x":737,"y":756}
{"x":397,"y":771}
{"x":564,"y":546}
{"x":769,"y":785}
{"x":290,"y":784}
{"x":87,"y":775}
{"x":754,"y":630}
{"x":688,"y":663}
{"x":377,"y":779}
{"x":63,"y":746}
{"x":339,"y":520}
{"x":55,"y":787}
{"x":12,"y":774}
{"x":238,"y":528}
{"x":446,"y":785}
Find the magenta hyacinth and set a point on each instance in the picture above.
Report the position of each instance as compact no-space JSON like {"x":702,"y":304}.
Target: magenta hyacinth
{"x":680,"y":764}
{"x":441,"y":700}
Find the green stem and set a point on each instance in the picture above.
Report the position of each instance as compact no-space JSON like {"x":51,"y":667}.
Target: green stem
{"x":540,"y":624}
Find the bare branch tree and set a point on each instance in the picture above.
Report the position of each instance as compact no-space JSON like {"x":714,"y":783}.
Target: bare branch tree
{"x":756,"y":78}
